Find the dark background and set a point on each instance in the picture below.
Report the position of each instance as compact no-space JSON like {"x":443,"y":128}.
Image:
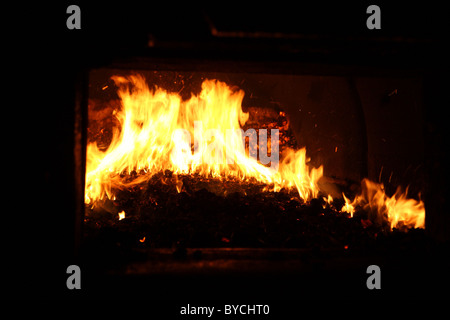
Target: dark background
{"x":45,"y":63}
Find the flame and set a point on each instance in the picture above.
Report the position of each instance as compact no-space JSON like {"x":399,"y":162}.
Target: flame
{"x":348,"y":207}
{"x":160,"y":131}
{"x":121,"y":215}
{"x":398,"y":210}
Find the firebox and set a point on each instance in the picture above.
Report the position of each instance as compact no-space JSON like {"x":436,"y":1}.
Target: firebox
{"x":236,"y":171}
{"x":226,"y":133}
{"x":241,"y":158}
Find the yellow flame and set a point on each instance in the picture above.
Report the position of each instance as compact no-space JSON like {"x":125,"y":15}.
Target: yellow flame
{"x":348,"y":207}
{"x":159,"y":131}
{"x":398,"y":209}
{"x":328,"y":200}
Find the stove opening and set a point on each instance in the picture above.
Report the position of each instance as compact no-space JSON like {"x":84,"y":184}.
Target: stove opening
{"x":215,"y":159}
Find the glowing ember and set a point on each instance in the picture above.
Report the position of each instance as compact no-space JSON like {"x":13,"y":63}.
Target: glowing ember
{"x":121,"y":215}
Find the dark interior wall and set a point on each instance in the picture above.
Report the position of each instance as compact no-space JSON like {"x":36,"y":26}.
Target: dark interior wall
{"x":393,"y":113}
{"x":326,"y":118}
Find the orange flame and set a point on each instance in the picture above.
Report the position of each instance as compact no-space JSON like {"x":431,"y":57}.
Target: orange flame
{"x":398,"y":209}
{"x":155,"y":134}
{"x":348,"y":207}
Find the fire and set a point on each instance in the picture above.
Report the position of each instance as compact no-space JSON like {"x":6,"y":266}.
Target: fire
{"x":348,"y":207}
{"x":398,"y":210}
{"x":160,"y":131}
